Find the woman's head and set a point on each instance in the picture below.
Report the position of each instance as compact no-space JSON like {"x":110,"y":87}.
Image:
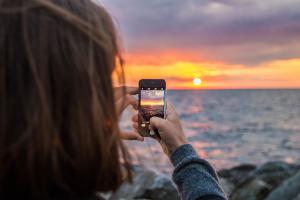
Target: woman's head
{"x":58,"y":124}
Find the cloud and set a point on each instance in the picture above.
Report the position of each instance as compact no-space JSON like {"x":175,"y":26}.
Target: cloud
{"x":233,"y":31}
{"x":179,"y":74}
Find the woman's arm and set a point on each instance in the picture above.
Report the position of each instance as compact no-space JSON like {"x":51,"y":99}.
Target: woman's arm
{"x":194,"y":177}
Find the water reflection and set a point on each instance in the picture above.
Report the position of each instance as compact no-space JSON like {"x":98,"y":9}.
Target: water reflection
{"x":231,"y":127}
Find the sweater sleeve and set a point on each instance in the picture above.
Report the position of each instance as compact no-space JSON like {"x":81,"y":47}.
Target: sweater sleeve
{"x":195,"y":178}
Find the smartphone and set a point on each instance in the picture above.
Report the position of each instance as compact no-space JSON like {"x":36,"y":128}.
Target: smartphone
{"x":152,"y":102}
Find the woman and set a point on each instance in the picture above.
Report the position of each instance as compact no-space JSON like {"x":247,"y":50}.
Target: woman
{"x":59,"y":134}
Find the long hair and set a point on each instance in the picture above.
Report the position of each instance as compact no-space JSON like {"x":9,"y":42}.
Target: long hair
{"x":58,"y":124}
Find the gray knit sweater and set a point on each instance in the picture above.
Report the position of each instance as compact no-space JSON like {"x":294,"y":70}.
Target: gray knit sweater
{"x":194,"y":177}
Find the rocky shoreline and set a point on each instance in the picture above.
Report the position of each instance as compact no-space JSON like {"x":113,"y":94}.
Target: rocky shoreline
{"x":270,"y":181}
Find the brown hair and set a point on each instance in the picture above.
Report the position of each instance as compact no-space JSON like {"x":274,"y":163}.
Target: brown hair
{"x":58,"y":123}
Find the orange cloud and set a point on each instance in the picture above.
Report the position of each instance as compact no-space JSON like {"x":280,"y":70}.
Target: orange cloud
{"x":180,"y":69}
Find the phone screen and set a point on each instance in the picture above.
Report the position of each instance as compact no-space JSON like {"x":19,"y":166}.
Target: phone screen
{"x":152,"y":103}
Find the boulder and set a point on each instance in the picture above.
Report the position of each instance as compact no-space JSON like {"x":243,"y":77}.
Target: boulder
{"x":226,"y":185}
{"x":263,"y":180}
{"x":255,"y":189}
{"x":288,"y":190}
{"x":298,"y":197}
{"x":147,"y":185}
{"x":237,"y":175}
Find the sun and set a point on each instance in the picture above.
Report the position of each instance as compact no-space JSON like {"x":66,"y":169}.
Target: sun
{"x":197,"y":81}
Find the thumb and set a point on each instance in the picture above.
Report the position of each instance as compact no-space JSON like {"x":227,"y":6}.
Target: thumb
{"x":159,"y":123}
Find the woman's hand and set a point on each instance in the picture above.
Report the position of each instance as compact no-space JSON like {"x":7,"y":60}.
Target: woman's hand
{"x":170,"y":130}
{"x":124,"y":97}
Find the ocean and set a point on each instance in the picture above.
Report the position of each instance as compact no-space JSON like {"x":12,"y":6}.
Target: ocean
{"x":229,"y":127}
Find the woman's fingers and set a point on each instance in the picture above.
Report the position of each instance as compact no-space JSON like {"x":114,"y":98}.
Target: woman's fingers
{"x":135,"y":126}
{"x":135,"y":118}
{"x":121,"y":91}
{"x":124,"y":98}
{"x":131,"y":136}
{"x":123,"y":103}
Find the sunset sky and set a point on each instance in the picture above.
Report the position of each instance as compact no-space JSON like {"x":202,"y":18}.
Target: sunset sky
{"x":227,"y":44}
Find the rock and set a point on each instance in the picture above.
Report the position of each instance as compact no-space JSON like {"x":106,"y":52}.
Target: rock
{"x":147,"y":185}
{"x":288,"y":190}
{"x":298,"y":197}
{"x":274,"y":173}
{"x":253,"y":190}
{"x":263,"y":180}
{"x":238,"y":174}
{"x":226,"y":185}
